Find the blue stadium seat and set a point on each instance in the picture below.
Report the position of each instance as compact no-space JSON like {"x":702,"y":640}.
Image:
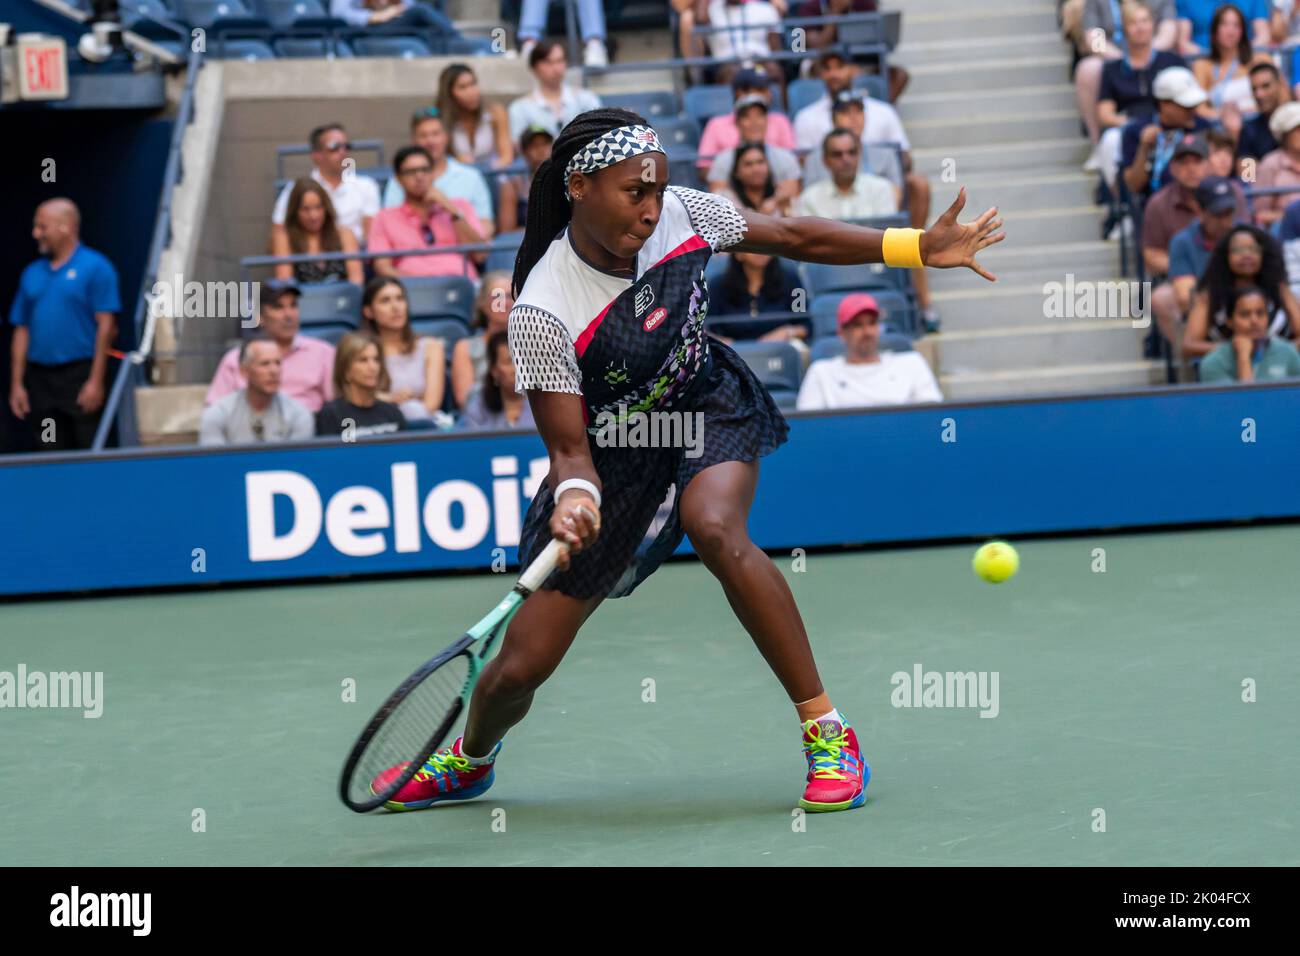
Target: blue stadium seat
{"x":133,"y":10}
{"x":819,"y":278}
{"x":330,"y":333}
{"x":874,"y":86}
{"x":503,"y":257}
{"x":282,"y":14}
{"x":802,"y":92}
{"x":678,"y":132}
{"x":651,"y":105}
{"x":777,"y":365}
{"x":450,"y":331}
{"x":716,"y":269}
{"x":407,"y":48}
{"x":206,"y":13}
{"x":440,"y":297}
{"x":899,"y":316}
{"x":310,"y":47}
{"x":242,"y":50}
{"x":704,"y":102}
{"x":330,"y":303}
{"x":684,"y":172}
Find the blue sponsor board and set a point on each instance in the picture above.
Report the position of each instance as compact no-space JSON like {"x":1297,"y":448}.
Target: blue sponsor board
{"x":166,"y":517}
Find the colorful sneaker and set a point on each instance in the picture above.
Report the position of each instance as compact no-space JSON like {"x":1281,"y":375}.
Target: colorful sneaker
{"x":445,"y":776}
{"x":837,"y":774}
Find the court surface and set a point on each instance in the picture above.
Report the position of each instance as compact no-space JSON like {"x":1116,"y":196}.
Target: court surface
{"x":1118,"y":692}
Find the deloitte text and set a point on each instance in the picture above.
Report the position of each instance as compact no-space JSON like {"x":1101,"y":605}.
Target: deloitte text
{"x":651,"y":430}
{"x":362,"y":521}
{"x":36,"y":690}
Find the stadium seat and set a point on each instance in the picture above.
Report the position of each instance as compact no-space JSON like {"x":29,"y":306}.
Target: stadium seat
{"x":803,"y":92}
{"x":831,"y":348}
{"x":503,"y":257}
{"x":133,"y":10}
{"x":874,"y":86}
{"x":282,"y":14}
{"x":702,"y":103}
{"x":206,"y":14}
{"x":777,"y":365}
{"x":242,"y":50}
{"x":684,"y":172}
{"x":440,"y":297}
{"x":407,"y":48}
{"x":310,"y":47}
{"x":899,"y":316}
{"x":678,"y":132}
{"x":450,"y":331}
{"x":819,"y":278}
{"x":330,"y":303}
{"x":651,"y":105}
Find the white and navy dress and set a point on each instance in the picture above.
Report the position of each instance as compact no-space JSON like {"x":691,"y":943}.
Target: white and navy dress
{"x":638,"y":342}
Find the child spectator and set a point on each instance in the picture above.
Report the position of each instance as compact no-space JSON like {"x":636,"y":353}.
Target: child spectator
{"x":469,"y":360}
{"x":427,"y":219}
{"x":305,"y":362}
{"x":1252,"y":354}
{"x":864,"y":376}
{"x":355,"y":198}
{"x":553,"y":102}
{"x":479,"y":133}
{"x":496,"y":404}
{"x":416,"y":365}
{"x":359,"y":377}
{"x":258,"y":412}
{"x":311,"y":226}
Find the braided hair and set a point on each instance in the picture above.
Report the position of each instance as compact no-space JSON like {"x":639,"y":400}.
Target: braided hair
{"x":548,"y":211}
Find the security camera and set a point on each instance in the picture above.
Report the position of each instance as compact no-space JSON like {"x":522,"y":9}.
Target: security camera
{"x":105,"y":34}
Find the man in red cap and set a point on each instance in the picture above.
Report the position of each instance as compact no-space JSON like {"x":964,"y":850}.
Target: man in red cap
{"x":863,"y":375}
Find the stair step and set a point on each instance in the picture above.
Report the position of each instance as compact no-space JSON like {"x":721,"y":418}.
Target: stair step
{"x":1077,"y":342}
{"x":916,"y":9}
{"x":963,"y":80}
{"x":978,"y":21}
{"x":991,"y":129}
{"x":1084,"y":379}
{"x":975,"y":305}
{"x":1037,"y":157}
{"x":1049,"y":190}
{"x":959,"y":50}
{"x":944,"y":105}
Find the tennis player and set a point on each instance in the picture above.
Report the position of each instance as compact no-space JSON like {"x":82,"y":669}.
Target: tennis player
{"x":609,"y":318}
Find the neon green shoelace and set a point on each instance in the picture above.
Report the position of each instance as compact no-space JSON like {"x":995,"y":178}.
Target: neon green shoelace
{"x":441,"y":763}
{"x":826,"y":756}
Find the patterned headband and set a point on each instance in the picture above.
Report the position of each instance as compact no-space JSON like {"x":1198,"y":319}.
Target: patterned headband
{"x":610,"y":148}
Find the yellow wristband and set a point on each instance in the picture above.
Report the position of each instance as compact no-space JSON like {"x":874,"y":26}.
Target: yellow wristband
{"x":902,"y":248}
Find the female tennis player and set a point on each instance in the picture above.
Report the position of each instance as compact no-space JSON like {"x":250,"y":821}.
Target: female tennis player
{"x":609,"y":322}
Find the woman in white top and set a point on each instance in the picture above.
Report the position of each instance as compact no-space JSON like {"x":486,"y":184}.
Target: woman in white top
{"x":416,"y":364}
{"x":480,"y":133}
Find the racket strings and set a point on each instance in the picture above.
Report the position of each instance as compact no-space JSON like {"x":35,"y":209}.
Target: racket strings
{"x":418,"y":722}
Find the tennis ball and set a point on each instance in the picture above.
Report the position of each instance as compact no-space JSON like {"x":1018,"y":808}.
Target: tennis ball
{"x":996,"y":561}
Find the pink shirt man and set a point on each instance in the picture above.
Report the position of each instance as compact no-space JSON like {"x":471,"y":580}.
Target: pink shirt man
{"x":306,"y":373}
{"x":720,"y":134}
{"x":401,"y":228}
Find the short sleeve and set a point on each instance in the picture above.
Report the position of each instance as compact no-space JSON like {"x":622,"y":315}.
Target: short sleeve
{"x":281,"y":205}
{"x":1109,"y":90}
{"x":103,"y":288}
{"x":715,"y":219}
{"x":1181,"y":262}
{"x":369,"y":196}
{"x":542,"y":352}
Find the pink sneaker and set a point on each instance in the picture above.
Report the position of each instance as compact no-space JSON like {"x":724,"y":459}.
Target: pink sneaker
{"x":446,"y":775}
{"x":837,"y":774}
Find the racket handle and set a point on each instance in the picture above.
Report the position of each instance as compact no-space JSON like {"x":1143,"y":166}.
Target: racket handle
{"x":541,"y":569}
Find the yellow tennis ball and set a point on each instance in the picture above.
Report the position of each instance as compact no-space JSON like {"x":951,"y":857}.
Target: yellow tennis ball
{"x":996,"y":561}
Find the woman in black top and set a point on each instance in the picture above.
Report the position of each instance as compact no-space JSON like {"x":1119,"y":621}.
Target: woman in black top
{"x":359,"y":376}
{"x":754,"y":283}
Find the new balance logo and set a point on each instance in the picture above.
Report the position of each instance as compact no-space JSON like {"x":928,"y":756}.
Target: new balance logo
{"x":645,"y":297}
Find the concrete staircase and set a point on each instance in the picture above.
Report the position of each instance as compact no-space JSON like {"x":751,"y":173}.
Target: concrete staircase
{"x":991,"y":105}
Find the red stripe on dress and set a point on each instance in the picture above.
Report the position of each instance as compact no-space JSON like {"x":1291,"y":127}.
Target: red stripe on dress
{"x":690,"y":245}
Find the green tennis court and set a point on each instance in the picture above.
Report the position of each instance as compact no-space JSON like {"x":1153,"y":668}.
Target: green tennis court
{"x":1118,"y":692}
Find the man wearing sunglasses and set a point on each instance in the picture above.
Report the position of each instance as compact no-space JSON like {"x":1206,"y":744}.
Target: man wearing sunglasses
{"x":426,"y":219}
{"x":355,"y":198}
{"x":850,"y":193}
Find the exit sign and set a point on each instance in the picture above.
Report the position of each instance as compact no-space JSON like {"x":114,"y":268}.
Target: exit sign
{"x":42,"y":68}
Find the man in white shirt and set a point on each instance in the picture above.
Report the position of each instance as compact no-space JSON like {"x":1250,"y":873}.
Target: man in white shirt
{"x":258,"y":412}
{"x":864,"y":376}
{"x":752,"y":32}
{"x":553,"y":103}
{"x":355,"y":198}
{"x":849,"y":193}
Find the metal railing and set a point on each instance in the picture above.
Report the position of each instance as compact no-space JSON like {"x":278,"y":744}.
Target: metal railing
{"x":131,"y":370}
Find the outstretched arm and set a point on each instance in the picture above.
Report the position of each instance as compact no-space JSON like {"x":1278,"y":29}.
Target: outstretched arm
{"x":945,"y":245}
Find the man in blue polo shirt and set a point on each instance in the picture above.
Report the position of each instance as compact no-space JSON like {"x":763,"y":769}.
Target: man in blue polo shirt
{"x":1189,"y":251}
{"x":64,"y":324}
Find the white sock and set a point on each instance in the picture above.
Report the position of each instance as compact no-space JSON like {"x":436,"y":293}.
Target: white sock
{"x":832,"y":714}
{"x":477,"y":761}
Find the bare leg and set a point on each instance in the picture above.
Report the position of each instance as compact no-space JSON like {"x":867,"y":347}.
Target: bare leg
{"x":714,"y":510}
{"x":1087,"y":87}
{"x":533,"y":646}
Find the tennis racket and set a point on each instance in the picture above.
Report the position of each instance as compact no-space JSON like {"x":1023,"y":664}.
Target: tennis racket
{"x":418,"y":717}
